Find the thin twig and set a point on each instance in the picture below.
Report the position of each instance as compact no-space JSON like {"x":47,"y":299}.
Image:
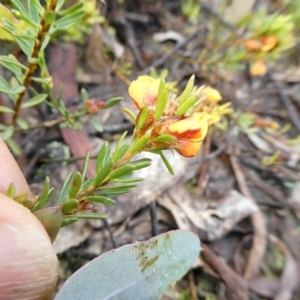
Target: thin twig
{"x":262,"y":185}
{"x":259,"y":243}
{"x":179,"y":45}
{"x":203,"y":167}
{"x":153,"y":215}
{"x":291,"y":109}
{"x":112,"y":238}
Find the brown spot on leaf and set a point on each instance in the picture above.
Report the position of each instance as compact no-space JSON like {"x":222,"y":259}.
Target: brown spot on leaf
{"x":150,"y":262}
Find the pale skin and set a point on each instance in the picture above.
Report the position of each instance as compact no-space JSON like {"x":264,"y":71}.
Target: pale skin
{"x":28,"y":264}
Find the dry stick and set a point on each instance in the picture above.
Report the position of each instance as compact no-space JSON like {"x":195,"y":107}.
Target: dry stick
{"x":203,"y":167}
{"x":179,"y":45}
{"x":267,"y":189}
{"x":286,"y":101}
{"x":259,"y":242}
{"x":236,"y":287}
{"x":153,"y":215}
{"x":192,"y":285}
{"x":111,"y":235}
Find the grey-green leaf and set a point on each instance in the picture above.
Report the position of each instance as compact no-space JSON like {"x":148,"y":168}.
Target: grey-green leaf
{"x":144,"y":270}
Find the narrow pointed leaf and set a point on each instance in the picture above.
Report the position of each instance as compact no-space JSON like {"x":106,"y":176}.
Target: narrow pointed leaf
{"x":166,"y":162}
{"x":100,"y":199}
{"x":120,"y":172}
{"x":11,"y":191}
{"x":69,"y":205}
{"x":65,"y":189}
{"x":140,"y":163}
{"x":43,"y":196}
{"x":140,"y":144}
{"x":5,"y":109}
{"x":119,"y":153}
{"x":166,"y":138}
{"x":142,"y":118}
{"x":112,"y":102}
{"x":38,"y":99}
{"x":103,"y":156}
{"x":129,"y":113}
{"x":187,"y":91}
{"x":68,"y":221}
{"x":96,"y":124}
{"x":92,"y":216}
{"x":185,"y":106}
{"x":76,"y":185}
{"x":162,"y":99}
{"x":103,"y":173}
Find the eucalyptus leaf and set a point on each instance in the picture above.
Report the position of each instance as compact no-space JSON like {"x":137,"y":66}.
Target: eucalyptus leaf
{"x":144,"y":270}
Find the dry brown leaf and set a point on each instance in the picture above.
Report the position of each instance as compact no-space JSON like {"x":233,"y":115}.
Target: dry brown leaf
{"x":213,"y":218}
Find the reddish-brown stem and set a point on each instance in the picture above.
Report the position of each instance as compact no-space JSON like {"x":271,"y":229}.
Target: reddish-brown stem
{"x":43,"y":29}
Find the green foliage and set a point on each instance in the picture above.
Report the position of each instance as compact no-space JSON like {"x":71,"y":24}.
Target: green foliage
{"x":31,"y":27}
{"x":191,"y":10}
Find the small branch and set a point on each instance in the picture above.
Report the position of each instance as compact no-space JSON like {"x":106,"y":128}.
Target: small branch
{"x":259,"y":243}
{"x":112,"y":238}
{"x":153,"y":215}
{"x":291,"y":109}
{"x":43,"y":29}
{"x":179,"y":45}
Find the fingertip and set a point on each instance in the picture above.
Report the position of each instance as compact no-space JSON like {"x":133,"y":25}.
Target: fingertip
{"x":10,"y":171}
{"x":27,"y":258}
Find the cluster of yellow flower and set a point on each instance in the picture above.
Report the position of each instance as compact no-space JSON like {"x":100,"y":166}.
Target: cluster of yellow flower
{"x":175,"y":122}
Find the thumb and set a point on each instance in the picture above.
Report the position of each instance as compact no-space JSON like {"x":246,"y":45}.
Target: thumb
{"x":28,"y":264}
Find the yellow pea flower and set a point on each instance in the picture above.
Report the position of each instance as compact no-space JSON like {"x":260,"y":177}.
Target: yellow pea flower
{"x":143,"y":91}
{"x":189,"y":132}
